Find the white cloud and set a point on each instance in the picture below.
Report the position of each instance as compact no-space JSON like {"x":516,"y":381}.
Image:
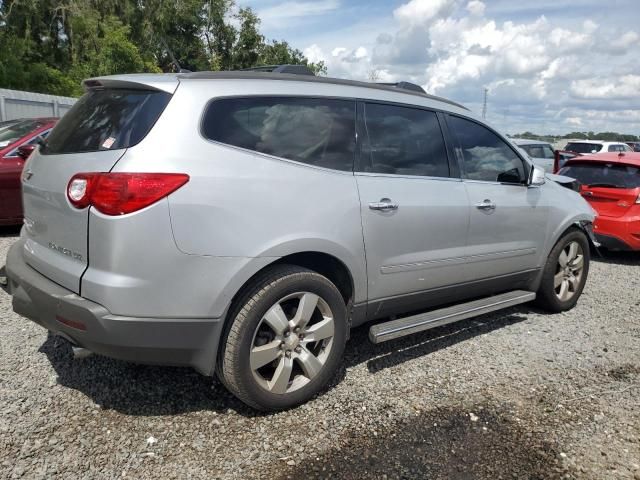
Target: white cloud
{"x":283,"y":12}
{"x":422,"y":11}
{"x":541,"y":74}
{"x":624,"y":87}
{"x":476,"y":8}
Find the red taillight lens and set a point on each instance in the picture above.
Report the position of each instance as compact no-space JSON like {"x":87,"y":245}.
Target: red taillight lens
{"x":121,"y":193}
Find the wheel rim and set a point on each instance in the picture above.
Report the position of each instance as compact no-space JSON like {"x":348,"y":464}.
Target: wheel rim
{"x":292,"y":342}
{"x":568,"y":277}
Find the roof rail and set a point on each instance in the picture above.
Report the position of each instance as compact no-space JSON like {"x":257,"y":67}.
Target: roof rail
{"x":293,"y":69}
{"x":405,"y":86}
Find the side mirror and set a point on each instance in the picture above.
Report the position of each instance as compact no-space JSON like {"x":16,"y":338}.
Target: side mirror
{"x":594,"y":151}
{"x":25,"y":150}
{"x":537,"y":176}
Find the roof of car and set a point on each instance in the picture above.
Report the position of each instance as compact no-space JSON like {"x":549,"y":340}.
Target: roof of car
{"x":596,"y":142}
{"x":629,"y":158}
{"x":168,"y":81}
{"x":526,"y":141}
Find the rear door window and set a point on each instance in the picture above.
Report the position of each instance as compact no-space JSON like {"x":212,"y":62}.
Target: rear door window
{"x":404,"y":141}
{"x":107,"y":119}
{"x":485,"y":155}
{"x":609,"y":175}
{"x":314,"y":131}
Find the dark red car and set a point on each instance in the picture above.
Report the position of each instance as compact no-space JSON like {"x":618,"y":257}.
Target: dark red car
{"x":17,"y":141}
{"x":611,"y":184}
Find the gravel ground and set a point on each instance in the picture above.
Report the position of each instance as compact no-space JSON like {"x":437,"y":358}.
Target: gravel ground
{"x":517,"y":394}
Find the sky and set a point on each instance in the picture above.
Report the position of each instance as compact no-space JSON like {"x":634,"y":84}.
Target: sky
{"x":550,"y":66}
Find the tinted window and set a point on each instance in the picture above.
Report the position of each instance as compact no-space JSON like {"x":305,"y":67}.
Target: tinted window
{"x":580,"y":147}
{"x":486,"y":156}
{"x":404,"y":141}
{"x":13,"y":133}
{"x":619,"y":148}
{"x":106,"y":120}
{"x":319,"y":132}
{"x":603,"y":174}
{"x":538,"y":151}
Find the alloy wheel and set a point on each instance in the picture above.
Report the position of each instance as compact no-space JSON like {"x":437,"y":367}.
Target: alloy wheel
{"x":567,"y":279}
{"x":292,"y":342}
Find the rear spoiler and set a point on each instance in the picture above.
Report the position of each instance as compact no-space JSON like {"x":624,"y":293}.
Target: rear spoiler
{"x":167,"y":82}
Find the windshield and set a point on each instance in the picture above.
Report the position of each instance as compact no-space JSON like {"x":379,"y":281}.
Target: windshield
{"x":581,"y":147}
{"x":13,"y":133}
{"x":106,"y":120}
{"x":604,"y":174}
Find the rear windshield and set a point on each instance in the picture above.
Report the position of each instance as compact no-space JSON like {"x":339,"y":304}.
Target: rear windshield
{"x":580,"y":147}
{"x":106,"y":120}
{"x":13,"y":133}
{"x":604,"y":174}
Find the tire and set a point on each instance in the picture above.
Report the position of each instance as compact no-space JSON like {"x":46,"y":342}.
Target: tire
{"x":299,"y":363}
{"x":561,"y":286}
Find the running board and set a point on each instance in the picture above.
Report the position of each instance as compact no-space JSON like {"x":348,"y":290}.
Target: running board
{"x":424,"y":321}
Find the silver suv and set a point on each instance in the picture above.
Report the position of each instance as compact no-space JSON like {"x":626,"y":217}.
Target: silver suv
{"x":242,"y":223}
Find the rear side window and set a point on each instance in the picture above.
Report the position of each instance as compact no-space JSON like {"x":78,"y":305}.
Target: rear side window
{"x":315,"y":131}
{"x":404,"y":141}
{"x":538,"y":151}
{"x":603,"y":174}
{"x":580,"y":147}
{"x":486,"y":156}
{"x":619,"y":148}
{"x":106,"y":120}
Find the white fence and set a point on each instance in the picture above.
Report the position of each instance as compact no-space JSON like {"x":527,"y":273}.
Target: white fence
{"x":17,"y":104}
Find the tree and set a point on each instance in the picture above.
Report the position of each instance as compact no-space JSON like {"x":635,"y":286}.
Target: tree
{"x":51,"y":45}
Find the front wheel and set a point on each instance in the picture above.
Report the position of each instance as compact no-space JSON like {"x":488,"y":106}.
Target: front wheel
{"x":286,"y":340}
{"x":565,"y":273}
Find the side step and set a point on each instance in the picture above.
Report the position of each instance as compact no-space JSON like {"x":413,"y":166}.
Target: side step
{"x":424,"y":321}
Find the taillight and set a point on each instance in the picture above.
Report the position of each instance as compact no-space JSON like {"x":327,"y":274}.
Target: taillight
{"x":121,"y":193}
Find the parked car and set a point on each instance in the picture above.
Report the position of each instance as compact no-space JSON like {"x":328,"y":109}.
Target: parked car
{"x":611,"y":184}
{"x":17,"y":141}
{"x":635,"y":146}
{"x":220,"y":220}
{"x":8,"y":123}
{"x":584,"y":147}
{"x":560,"y":158}
{"x":541,"y":153}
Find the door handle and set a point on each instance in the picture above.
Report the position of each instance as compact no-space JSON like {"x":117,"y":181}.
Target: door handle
{"x":383,"y":205}
{"x":486,"y":205}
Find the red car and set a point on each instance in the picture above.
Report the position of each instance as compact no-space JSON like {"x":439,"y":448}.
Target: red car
{"x":17,"y":141}
{"x":611,"y":184}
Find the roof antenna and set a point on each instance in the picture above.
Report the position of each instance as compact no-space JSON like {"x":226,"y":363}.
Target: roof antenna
{"x":173,"y":59}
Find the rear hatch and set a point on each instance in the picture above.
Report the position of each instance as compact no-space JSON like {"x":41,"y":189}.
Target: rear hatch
{"x":611,"y":188}
{"x":112,"y":116}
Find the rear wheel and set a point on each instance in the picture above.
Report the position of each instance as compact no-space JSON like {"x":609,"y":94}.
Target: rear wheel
{"x":286,"y":340}
{"x":565,"y":273}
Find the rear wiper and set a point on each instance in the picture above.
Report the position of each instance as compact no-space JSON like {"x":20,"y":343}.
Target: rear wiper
{"x":604,"y":185}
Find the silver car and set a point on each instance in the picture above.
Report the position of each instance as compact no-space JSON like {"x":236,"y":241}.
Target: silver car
{"x":242,"y":223}
{"x":541,"y":153}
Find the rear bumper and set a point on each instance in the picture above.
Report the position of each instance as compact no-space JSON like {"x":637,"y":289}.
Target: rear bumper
{"x":618,"y":233}
{"x":164,"y":341}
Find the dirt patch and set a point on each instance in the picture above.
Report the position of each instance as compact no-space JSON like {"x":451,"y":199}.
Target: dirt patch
{"x":625,"y":372}
{"x":483,"y":443}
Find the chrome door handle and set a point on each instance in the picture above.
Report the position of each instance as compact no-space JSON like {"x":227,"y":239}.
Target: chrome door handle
{"x":383,"y":205}
{"x":486,"y":205}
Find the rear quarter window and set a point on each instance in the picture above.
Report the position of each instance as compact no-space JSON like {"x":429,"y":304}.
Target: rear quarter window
{"x":314,"y":131}
{"x":107,"y":119}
